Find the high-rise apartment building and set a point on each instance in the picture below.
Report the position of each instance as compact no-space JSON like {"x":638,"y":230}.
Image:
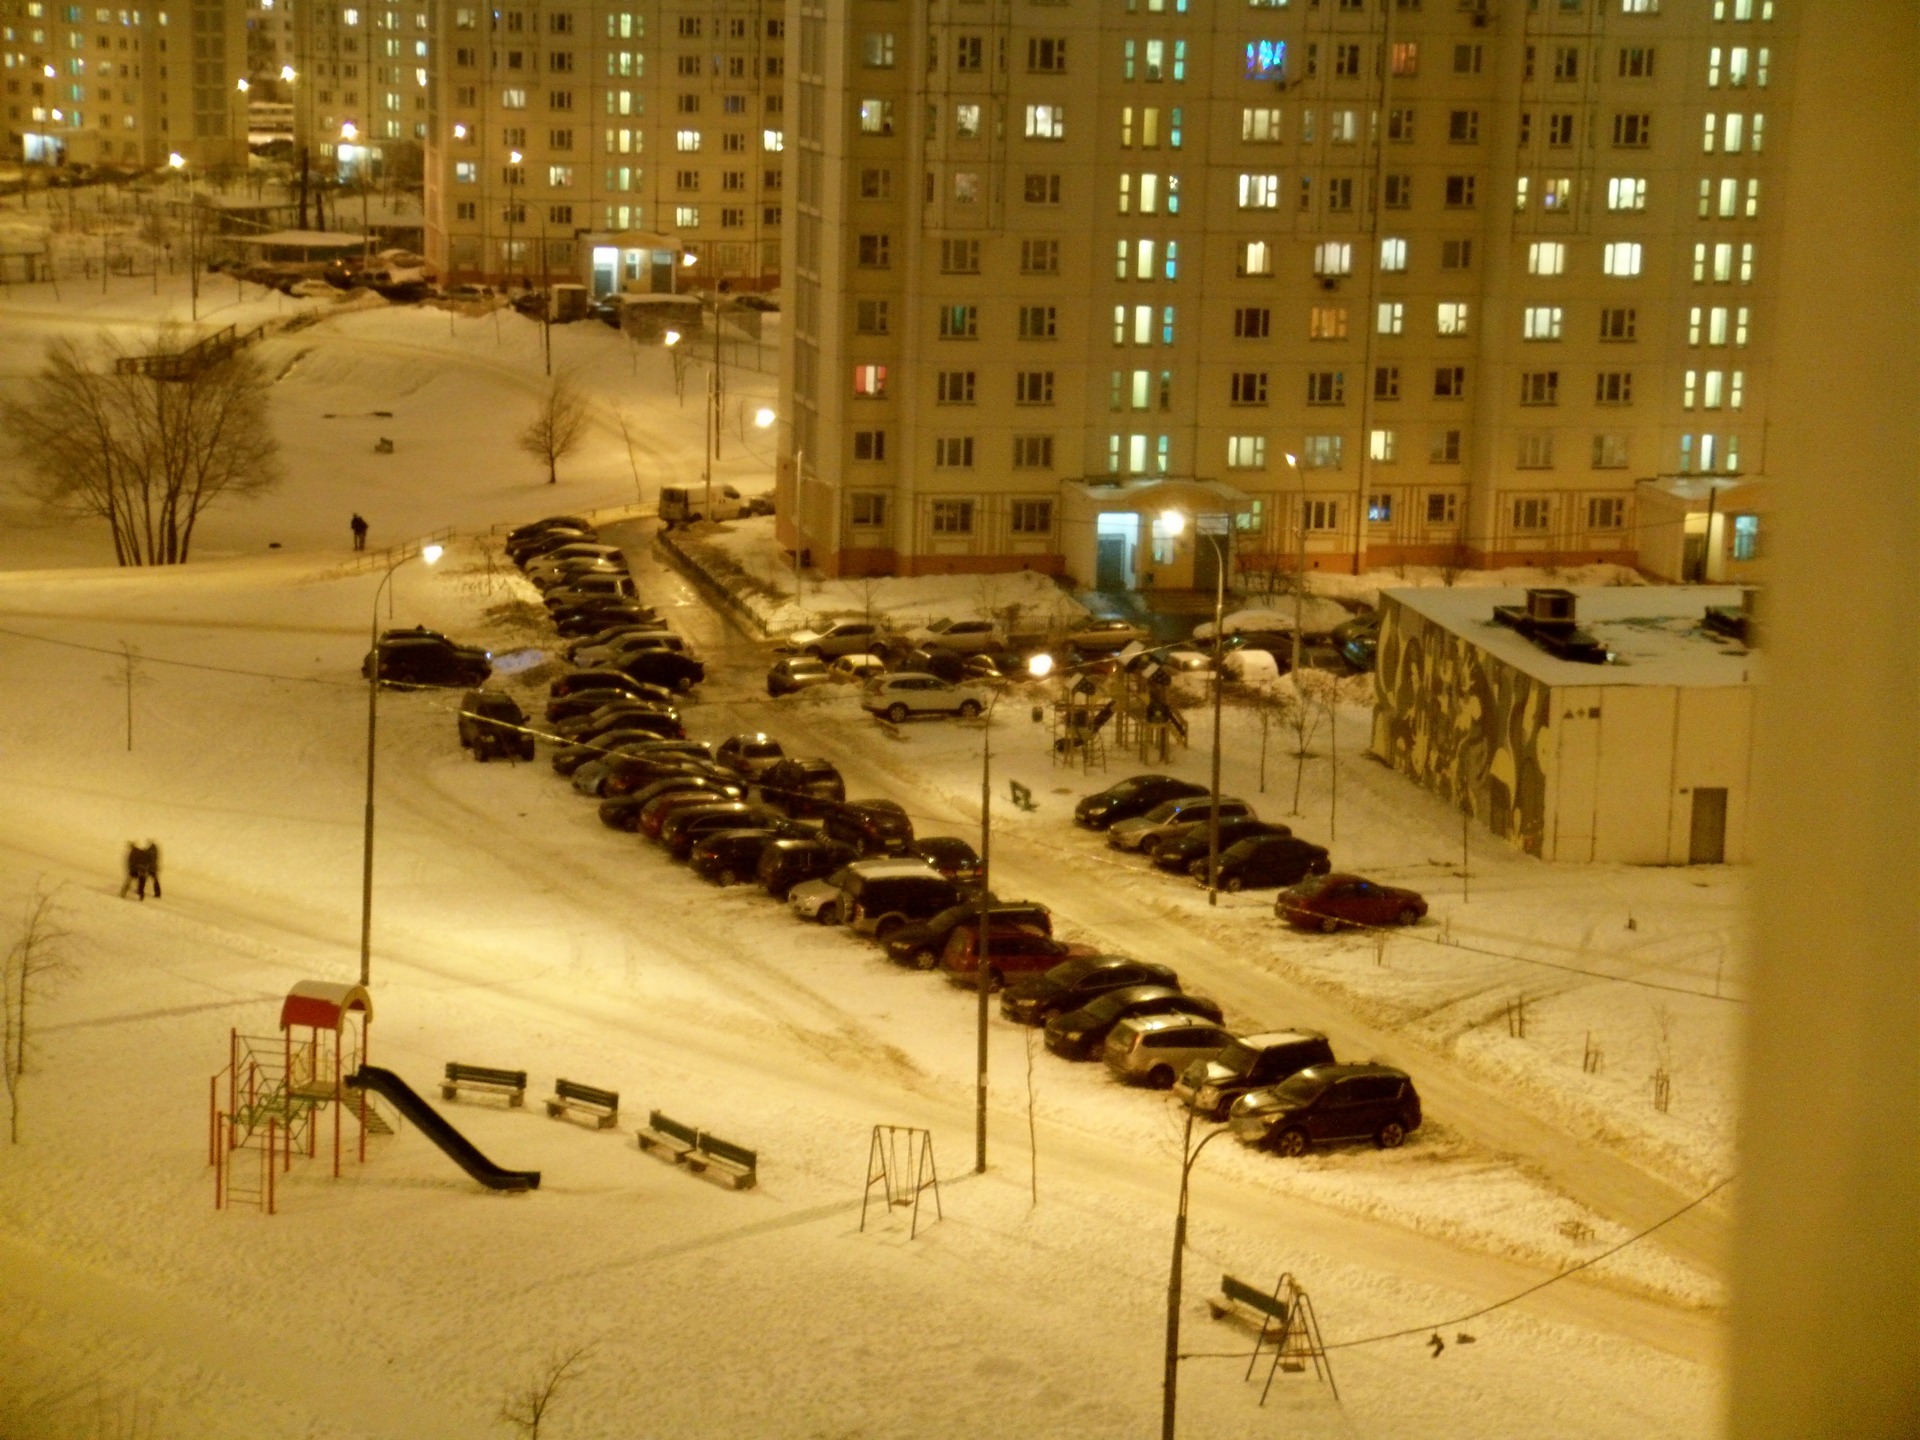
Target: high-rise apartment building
{"x":1372,"y":281}
{"x":98,"y":85}
{"x":362,"y":77}
{"x":635,"y":146}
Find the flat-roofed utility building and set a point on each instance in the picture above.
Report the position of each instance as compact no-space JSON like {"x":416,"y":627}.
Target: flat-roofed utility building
{"x":1646,"y":758}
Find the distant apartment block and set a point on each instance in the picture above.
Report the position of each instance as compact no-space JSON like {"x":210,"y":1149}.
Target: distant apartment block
{"x":97,"y":85}
{"x":631,"y":147}
{"x":1349,"y":283}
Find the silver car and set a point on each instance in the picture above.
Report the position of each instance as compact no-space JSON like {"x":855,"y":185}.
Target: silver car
{"x":826,"y":900}
{"x":1145,"y":832}
{"x":1156,"y":1049}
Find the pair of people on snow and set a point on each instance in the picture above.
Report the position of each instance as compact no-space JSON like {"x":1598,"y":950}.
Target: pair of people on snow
{"x":143,"y":864}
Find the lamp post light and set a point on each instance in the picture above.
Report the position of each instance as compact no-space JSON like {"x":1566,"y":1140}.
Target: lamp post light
{"x":428,"y":553}
{"x":1174,"y":521}
{"x":1038,"y":666}
{"x":1170,"y":1385}
{"x":513,"y":171}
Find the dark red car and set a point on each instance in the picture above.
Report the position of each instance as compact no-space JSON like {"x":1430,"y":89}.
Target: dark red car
{"x":1334,"y":902}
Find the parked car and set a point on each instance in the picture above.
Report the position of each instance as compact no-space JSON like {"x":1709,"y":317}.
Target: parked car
{"x":533,"y":529}
{"x":622,"y":812}
{"x":1145,"y":832}
{"x":525,"y":552}
{"x":847,"y":637}
{"x":609,"y":716}
{"x":655,"y":814}
{"x":593,"y":615}
{"x":570,"y":758}
{"x":1328,"y":902}
{"x":492,"y":723}
{"x":856,"y":669}
{"x":642,"y":765}
{"x":427,"y":658}
{"x":663,"y":667}
{"x":1253,"y":1062}
{"x":787,"y":863}
{"x":947,"y":665}
{"x":732,"y":856}
{"x":953,"y":858}
{"x":1082,"y":1034}
{"x":751,"y":754}
{"x":604,"y":683}
{"x":607,"y":586}
{"x":900,"y":697}
{"x":616,"y":651}
{"x":574,"y":555}
{"x":589,"y":701}
{"x":688,"y":825}
{"x":1327,"y":1104}
{"x":1011,"y":950}
{"x":1357,"y":640}
{"x":1135,"y":796}
{"x":661,"y":722}
{"x":1177,"y":851}
{"x":922,"y":943}
{"x":1104,"y":635}
{"x":611,"y":633}
{"x":1071,"y":984}
{"x":1263,"y":862}
{"x":1156,"y":1049}
{"x":873,"y":827}
{"x":968,"y":637}
{"x":796,"y":673}
{"x":831,"y":901}
{"x":682,"y":504}
{"x":802,"y":785}
{"x":877,"y":904}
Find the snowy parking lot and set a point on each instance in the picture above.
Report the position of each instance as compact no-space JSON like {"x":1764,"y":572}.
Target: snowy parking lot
{"x":1533,"y":1007}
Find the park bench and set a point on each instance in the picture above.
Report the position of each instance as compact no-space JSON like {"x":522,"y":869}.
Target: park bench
{"x":700,"y":1151}
{"x":600,"y":1106}
{"x":1236,"y":1297}
{"x":511,"y":1083}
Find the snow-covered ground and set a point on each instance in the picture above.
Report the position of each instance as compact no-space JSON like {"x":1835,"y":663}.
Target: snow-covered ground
{"x":511,"y":929}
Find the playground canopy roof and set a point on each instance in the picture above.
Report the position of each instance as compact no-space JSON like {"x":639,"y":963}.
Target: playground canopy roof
{"x":324,"y":1004}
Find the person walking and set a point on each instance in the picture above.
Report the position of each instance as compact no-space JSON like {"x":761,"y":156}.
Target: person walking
{"x":133,"y":870}
{"x":359,"y":528}
{"x":145,"y":863}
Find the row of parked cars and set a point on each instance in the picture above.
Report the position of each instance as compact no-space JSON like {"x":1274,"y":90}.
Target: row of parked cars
{"x":1171,"y":822}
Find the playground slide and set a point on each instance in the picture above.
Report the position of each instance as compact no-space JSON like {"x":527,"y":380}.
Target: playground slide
{"x":428,"y":1121}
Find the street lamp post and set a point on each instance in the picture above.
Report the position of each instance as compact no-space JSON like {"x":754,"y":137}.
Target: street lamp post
{"x":177,"y":161}
{"x":513,"y":171}
{"x":1299,"y":561}
{"x":1039,"y":666}
{"x":349,"y":132}
{"x":1170,"y":1385}
{"x":428,"y":553}
{"x":1174,"y":522}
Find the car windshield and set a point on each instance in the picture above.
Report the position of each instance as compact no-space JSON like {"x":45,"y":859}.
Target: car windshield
{"x":1070,"y":972}
{"x":1163,"y":812}
{"x":761,"y":751}
{"x":1238,"y":1058}
{"x":1312,"y":885}
{"x":808,"y":667}
{"x":1128,"y":788}
{"x":1301,"y":1089}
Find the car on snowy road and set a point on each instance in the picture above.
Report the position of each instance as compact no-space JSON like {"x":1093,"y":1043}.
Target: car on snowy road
{"x":648,"y":626}
{"x":1178,"y":851}
{"x":953,"y":858}
{"x":1081,"y":1034}
{"x":1333,"y":902}
{"x":848,"y":637}
{"x":1073,"y":983}
{"x":751,"y":754}
{"x":427,"y":658}
{"x":900,"y":697}
{"x":492,"y":723}
{"x":857,"y":889}
{"x":732,"y":856}
{"x":1144,"y":833}
{"x":787,"y":863}
{"x":668,"y":668}
{"x":1155,"y":1050}
{"x":1131,"y":797}
{"x":797,"y":673}
{"x":589,"y":702}
{"x":1101,"y":636}
{"x":921,"y":944}
{"x":1263,"y":862}
{"x":597,"y":613}
{"x":873,"y":827}
{"x":622,"y":812}
{"x":802,"y":785}
{"x":1328,"y":1104}
{"x":1253,"y":1062}
{"x":967,"y":637}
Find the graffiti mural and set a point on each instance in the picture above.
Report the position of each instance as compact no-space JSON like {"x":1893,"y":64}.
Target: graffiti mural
{"x":1467,"y":726}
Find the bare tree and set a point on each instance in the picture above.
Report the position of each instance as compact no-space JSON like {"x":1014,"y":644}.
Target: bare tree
{"x":526,"y":1409}
{"x":1313,"y":692}
{"x":148,"y":455}
{"x":558,"y":425}
{"x":35,"y":959}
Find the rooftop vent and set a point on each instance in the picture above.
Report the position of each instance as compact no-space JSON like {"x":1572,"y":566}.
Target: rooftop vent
{"x":1547,"y":619}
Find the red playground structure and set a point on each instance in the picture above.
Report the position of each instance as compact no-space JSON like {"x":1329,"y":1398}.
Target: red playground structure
{"x":277,"y":1085}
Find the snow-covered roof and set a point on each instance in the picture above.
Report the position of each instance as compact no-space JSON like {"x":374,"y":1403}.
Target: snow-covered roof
{"x":1653,"y":631}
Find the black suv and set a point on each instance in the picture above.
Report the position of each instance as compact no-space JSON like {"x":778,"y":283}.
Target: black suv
{"x":873,"y":827}
{"x":1072,"y":983}
{"x":1081,"y":1034}
{"x":426,"y":657}
{"x":922,"y":943}
{"x":785,"y":863}
{"x":669,"y":668}
{"x":1252,"y":1062}
{"x":1130,"y":798}
{"x":492,"y":723}
{"x":1329,"y":1103}
{"x":802,"y":786}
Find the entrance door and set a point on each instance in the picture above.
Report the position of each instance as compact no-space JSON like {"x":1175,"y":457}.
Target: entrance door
{"x":1116,"y":538}
{"x":1708,"y":842}
{"x":1212,"y":549}
{"x":606,"y":270}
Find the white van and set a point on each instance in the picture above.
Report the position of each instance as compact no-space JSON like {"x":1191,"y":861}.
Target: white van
{"x":682,"y":504}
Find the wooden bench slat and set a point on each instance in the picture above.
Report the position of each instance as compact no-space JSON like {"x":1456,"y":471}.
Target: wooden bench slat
{"x":512,"y":1082}
{"x":602,"y":1105}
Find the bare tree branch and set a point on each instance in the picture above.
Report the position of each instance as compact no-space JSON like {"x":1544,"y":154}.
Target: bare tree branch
{"x":558,"y":426}
{"x":526,"y":1409}
{"x":36,"y":958}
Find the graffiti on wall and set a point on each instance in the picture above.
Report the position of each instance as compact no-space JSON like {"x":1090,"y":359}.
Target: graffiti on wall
{"x":1467,"y":726}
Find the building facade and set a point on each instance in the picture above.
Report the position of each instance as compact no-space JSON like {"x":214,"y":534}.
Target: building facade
{"x":1391,"y":281}
{"x":92,"y":85}
{"x":361,"y":80}
{"x":635,"y":147}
